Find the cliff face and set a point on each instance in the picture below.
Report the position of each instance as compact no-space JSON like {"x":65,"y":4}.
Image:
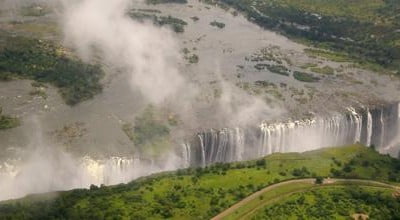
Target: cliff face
{"x":379,"y":127}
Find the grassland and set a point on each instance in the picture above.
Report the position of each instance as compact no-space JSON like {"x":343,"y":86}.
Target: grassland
{"x":335,"y":202}
{"x":27,"y":58}
{"x":273,"y":195}
{"x":201,"y":193}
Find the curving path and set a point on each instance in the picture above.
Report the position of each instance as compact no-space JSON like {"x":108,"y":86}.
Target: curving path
{"x":310,"y":181}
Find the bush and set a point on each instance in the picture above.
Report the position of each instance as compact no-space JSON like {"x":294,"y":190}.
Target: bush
{"x":261,"y":162}
{"x":319,"y":180}
{"x":220,"y":25}
{"x":347,"y":168}
{"x":300,"y":172}
{"x":305,"y":77}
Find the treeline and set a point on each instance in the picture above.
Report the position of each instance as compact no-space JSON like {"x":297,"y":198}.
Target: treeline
{"x":201,"y":193}
{"x":177,"y":25}
{"x":334,"y":203}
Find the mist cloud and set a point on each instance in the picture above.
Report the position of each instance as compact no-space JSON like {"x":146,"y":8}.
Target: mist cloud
{"x":149,"y":54}
{"x":100,"y":31}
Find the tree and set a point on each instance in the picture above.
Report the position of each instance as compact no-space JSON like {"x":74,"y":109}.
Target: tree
{"x":372,"y":146}
{"x":261,"y":162}
{"x":319,"y":180}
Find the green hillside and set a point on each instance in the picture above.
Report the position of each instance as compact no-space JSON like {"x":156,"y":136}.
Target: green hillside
{"x":336,"y":202}
{"x":344,"y":198}
{"x":202,"y":193}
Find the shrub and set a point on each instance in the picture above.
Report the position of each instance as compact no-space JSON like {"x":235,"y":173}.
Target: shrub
{"x":261,"y":162}
{"x":319,"y":180}
{"x":220,"y":25}
{"x":305,"y":77}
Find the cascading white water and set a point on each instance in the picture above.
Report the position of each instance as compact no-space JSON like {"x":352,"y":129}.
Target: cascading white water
{"x":115,"y":169}
{"x":378,"y":127}
{"x":356,"y":124}
{"x":37,"y":174}
{"x":239,"y":143}
{"x":382,"y":129}
{"x":186,"y":154}
{"x":368,"y":127}
{"x":203,"y":151}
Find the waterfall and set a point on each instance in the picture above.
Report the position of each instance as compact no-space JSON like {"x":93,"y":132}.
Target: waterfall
{"x":239,"y":143}
{"x":186,"y":155}
{"x":112,"y":170}
{"x":376,"y":127}
{"x":20,"y":177}
{"x":369,"y":128}
{"x":382,"y":129}
{"x":203,"y":151}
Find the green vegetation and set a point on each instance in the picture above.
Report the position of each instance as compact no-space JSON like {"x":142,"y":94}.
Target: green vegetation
{"x":7,"y":122}
{"x":148,"y":132}
{"x":326,"y":70}
{"x":217,"y":24}
{"x":38,"y":92}
{"x":176,"y":24}
{"x":365,"y":31}
{"x":150,"y":10}
{"x":155,"y":2}
{"x":319,"y":180}
{"x":191,"y":58}
{"x":308,"y":65}
{"x":254,"y":205}
{"x":22,"y":57}
{"x":335,"y":202}
{"x":278,"y":69}
{"x":305,"y":77}
{"x":200,"y":193}
{"x":34,"y":10}
{"x":39,"y":89}
{"x":264,"y":197}
{"x":261,"y":87}
{"x":330,"y":55}
{"x":195,"y":18}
